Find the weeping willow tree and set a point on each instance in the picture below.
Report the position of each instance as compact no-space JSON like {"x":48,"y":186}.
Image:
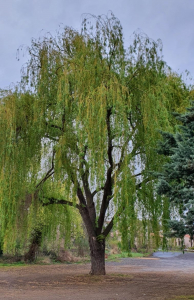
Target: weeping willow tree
{"x":79,"y":133}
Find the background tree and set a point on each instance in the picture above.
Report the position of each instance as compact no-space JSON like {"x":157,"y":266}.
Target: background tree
{"x":82,"y":136}
{"x":176,"y":179}
{"x":177,"y":230}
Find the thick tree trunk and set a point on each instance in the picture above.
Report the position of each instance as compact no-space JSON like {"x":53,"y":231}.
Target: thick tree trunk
{"x":97,"y":253}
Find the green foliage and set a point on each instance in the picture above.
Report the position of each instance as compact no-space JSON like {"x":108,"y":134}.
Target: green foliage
{"x":14,"y":264}
{"x":75,"y":131}
{"x":176,"y":179}
{"x":178,"y":229}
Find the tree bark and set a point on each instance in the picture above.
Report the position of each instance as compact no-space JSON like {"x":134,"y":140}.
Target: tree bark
{"x":30,"y":256}
{"x":97,"y":253}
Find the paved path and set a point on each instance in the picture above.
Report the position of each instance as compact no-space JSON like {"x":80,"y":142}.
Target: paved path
{"x":167,"y":262}
{"x":166,"y":254}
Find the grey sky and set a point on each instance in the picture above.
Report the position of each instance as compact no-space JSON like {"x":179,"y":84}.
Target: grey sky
{"x":170,"y":20}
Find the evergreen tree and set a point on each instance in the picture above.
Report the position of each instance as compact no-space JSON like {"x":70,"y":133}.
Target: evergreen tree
{"x":176,"y":180}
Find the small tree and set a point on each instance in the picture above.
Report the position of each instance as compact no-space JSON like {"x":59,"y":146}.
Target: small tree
{"x":83,"y":136}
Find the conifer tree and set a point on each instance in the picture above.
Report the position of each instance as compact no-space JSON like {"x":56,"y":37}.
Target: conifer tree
{"x":176,"y":179}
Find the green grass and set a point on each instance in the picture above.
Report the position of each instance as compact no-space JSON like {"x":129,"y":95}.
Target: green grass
{"x":112,"y":257}
{"x":124,"y":255}
{"x":14,"y":264}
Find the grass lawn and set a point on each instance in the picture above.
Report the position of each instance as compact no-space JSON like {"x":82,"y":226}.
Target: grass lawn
{"x":124,"y":255}
{"x":14,"y":264}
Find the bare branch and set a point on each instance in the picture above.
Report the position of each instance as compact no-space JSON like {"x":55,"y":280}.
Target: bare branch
{"x":57,"y":69}
{"x":49,"y":173}
{"x":138,"y":174}
{"x":110,"y":146}
{"x":108,"y":228}
{"x":130,"y":121}
{"x":139,"y":185}
{"x":122,"y":153}
{"x":85,"y":181}
{"x":81,"y":196}
{"x":96,"y":191}
{"x":85,"y":176}
{"x":108,"y":184}
{"x":134,"y":74}
{"x":62,"y":202}
{"x":111,"y":223}
{"x":54,"y":126}
{"x":51,"y":138}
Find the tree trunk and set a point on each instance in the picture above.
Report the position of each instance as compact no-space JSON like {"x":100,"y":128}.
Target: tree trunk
{"x":97,"y":253}
{"x":30,"y":256}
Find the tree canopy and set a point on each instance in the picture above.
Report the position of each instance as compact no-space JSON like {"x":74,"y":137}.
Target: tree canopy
{"x":80,"y":131}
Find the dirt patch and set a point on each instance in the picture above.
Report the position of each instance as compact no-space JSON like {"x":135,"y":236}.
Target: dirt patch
{"x":72,"y":282}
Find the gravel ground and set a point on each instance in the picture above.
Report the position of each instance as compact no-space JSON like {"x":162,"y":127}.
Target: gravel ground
{"x":149,"y":278}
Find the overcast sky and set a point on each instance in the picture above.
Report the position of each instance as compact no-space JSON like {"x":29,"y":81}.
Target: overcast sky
{"x":170,"y":20}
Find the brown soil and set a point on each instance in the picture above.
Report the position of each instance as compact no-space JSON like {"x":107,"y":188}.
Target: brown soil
{"x":72,"y":282}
